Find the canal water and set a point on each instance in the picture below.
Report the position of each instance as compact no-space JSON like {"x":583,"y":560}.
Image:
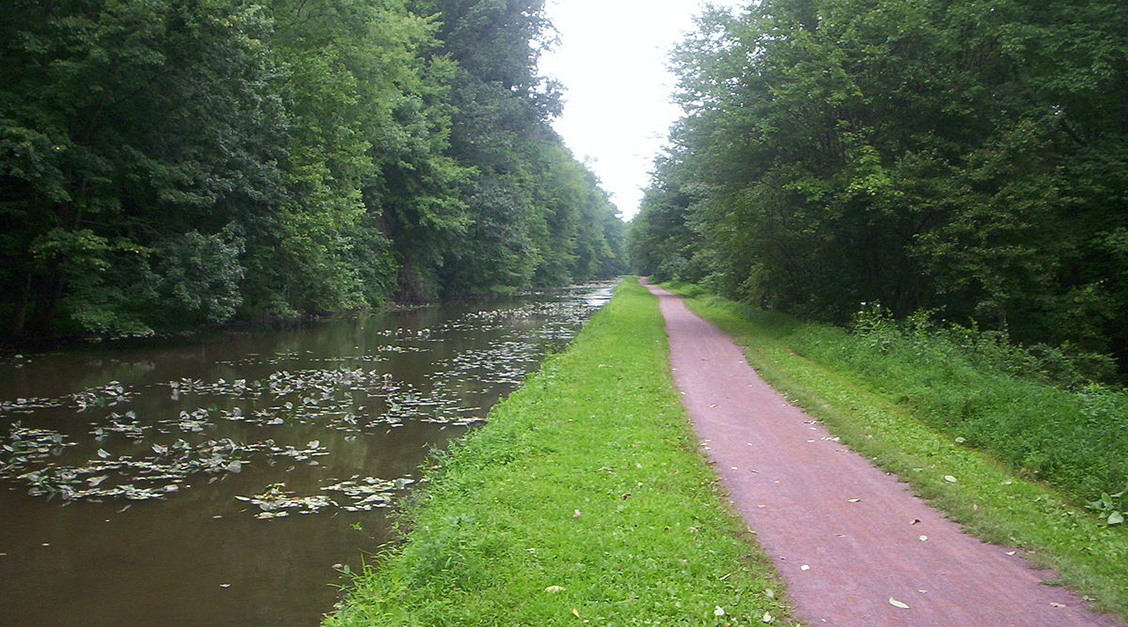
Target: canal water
{"x":233,"y":481}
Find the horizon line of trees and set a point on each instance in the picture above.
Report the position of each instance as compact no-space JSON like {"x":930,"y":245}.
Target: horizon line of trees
{"x":171,"y":163}
{"x":966,"y":158}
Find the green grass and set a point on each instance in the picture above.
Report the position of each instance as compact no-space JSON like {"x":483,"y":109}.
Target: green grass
{"x":600,"y":431}
{"x":890,"y":408}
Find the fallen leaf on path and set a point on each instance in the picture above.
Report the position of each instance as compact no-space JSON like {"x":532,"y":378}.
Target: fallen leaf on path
{"x":923,"y":538}
{"x":804,"y":567}
{"x":853,"y":500}
{"x":916,"y":521}
{"x":1056,"y":604}
{"x":896,"y":603}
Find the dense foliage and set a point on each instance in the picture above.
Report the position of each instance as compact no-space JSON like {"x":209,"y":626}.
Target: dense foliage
{"x":964,"y":157}
{"x":168,"y":163}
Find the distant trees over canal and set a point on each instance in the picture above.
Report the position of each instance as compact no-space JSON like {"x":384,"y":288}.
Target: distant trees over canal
{"x":169,"y":163}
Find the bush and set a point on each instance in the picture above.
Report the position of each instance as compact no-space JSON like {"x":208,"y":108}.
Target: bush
{"x":200,"y":276}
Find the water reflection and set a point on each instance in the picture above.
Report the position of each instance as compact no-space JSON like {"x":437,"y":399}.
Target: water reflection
{"x":220,"y":483}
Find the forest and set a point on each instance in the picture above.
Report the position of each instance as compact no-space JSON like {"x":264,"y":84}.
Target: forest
{"x":173,"y":163}
{"x":965,"y":161}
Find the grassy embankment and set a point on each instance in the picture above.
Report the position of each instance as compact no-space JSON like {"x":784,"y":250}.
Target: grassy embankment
{"x":584,"y":499}
{"x":925,"y":409}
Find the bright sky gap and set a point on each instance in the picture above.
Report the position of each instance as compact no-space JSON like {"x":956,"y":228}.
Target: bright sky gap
{"x":618,"y":100}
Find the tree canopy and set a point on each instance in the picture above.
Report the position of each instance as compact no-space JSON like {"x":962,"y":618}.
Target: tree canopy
{"x":965,"y":157}
{"x":169,"y":163}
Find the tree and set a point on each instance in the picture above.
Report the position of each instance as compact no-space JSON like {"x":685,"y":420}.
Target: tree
{"x":966,"y":157}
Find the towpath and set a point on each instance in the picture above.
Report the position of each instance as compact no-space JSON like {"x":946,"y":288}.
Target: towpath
{"x":845,"y":536}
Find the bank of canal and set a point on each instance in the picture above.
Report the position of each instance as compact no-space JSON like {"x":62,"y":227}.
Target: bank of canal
{"x":226,"y":481}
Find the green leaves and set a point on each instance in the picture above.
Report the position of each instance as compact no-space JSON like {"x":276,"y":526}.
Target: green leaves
{"x":924,"y":155}
{"x":167,"y":163}
{"x":1112,"y":507}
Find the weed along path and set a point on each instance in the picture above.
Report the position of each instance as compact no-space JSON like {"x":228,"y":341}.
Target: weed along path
{"x":855,"y":547}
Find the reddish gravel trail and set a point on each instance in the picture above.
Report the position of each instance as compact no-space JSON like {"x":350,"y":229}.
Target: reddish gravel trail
{"x":844,"y":560}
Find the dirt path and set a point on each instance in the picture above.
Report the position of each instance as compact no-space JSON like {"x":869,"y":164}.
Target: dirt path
{"x":842,"y":533}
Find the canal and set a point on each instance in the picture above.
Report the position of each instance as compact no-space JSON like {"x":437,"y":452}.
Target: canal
{"x":233,"y":480}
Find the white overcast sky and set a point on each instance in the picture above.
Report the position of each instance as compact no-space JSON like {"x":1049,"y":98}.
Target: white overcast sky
{"x":612,"y":59}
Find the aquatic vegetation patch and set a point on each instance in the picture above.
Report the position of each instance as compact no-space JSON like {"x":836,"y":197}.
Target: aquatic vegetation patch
{"x":107,"y":395}
{"x":126,"y":425}
{"x":156,"y":475}
{"x":278,"y":502}
{"x":366,"y":493}
{"x":356,"y":494}
{"x":505,"y":362}
{"x":26,"y":444}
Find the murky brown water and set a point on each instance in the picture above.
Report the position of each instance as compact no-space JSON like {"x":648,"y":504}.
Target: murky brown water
{"x":228,"y":481}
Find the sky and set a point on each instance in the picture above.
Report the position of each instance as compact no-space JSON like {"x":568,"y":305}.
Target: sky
{"x":612,"y":59}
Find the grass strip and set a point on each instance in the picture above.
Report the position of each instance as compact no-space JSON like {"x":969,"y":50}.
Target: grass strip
{"x":989,"y":500}
{"x":583,"y":500}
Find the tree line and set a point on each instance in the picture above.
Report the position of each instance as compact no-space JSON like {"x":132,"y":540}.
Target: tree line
{"x":968,"y":158}
{"x":170,"y":163}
